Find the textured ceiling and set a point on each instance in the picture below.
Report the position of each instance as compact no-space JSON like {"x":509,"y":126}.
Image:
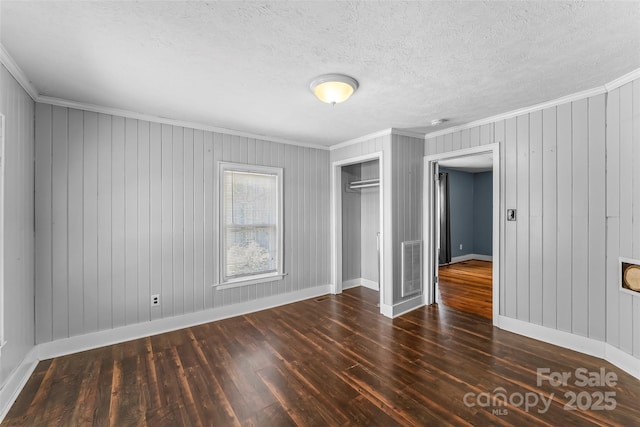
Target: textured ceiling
{"x":247,"y":66}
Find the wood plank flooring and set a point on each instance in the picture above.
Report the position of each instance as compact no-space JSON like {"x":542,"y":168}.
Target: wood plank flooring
{"x":467,"y":286}
{"x":328,"y":361}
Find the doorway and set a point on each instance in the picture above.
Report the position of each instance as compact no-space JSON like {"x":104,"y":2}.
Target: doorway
{"x":357,"y":221}
{"x":460,"y":274}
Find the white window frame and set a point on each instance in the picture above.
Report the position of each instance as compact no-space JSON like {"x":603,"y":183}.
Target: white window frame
{"x":224,"y":282}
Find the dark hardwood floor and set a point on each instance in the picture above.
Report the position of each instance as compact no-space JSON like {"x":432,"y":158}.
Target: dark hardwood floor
{"x":333,"y":360}
{"x":467,"y":286}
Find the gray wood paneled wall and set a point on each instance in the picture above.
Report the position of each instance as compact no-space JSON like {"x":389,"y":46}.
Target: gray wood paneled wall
{"x":407,"y":166}
{"x":569,"y":172}
{"x":18,"y":311}
{"x":622,"y":213}
{"x":127,"y":208}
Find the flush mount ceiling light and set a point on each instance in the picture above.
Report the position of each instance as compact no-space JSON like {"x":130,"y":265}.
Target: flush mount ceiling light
{"x":437,"y":122}
{"x":333,"y":88}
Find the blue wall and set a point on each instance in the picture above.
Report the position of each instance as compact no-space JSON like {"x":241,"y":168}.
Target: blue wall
{"x":470,"y":199}
{"x":483,"y":212}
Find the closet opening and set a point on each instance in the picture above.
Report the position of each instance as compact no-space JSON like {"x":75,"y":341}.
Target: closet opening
{"x":357,"y":233}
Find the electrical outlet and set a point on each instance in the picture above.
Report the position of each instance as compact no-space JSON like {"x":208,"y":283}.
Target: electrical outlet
{"x":155,"y":300}
{"x":460,"y":246}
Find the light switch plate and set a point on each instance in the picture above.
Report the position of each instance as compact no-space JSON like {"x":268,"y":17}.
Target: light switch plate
{"x":511,"y":214}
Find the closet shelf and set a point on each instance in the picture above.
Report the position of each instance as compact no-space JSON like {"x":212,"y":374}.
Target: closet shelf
{"x":365,"y":183}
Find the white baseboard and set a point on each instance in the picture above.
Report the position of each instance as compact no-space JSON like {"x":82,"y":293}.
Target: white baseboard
{"x":403,"y":307}
{"x":140,"y":330}
{"x":369,"y":284}
{"x":469,"y":257}
{"x":348,"y":284}
{"x":360,"y":281}
{"x":16,"y":381}
{"x":602,"y":350}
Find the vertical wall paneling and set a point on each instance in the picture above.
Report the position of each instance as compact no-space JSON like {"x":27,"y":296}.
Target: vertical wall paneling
{"x":580,"y":219}
{"x":75,"y":217}
{"x":60,"y":273}
{"x":464,"y":139}
{"x":549,"y":218}
{"x":131,"y":221}
{"x":626,"y":209}
{"x":511,"y":235}
{"x":213,"y":154}
{"x":499,"y":135}
{"x":143,"y":205}
{"x":597,"y":218}
{"x":90,"y":222}
{"x":105,"y":245}
{"x":166,"y":263}
{"x":19,"y":267}
{"x":613,"y":204}
{"x":536,"y":242}
{"x":43,"y":186}
{"x":178,"y":220}
{"x":129,"y":209}
{"x":486,"y":136}
{"x":577,"y":190}
{"x":565,"y":215}
{"x":188,"y":276}
{"x":635,"y":117}
{"x":474,"y":136}
{"x":200,"y":156}
{"x":636,"y":207}
{"x":155,"y":216}
{"x":522,"y":223}
{"x":118,"y":221}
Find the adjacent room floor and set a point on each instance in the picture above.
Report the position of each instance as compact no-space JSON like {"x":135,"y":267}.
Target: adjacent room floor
{"x":467,"y":286}
{"x":332,"y":360}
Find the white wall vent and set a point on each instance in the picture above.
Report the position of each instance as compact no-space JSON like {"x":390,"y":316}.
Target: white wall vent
{"x":411,"y":268}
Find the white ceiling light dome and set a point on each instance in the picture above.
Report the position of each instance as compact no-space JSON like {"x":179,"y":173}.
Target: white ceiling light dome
{"x":333,"y":88}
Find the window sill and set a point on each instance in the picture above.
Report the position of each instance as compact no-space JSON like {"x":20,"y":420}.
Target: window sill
{"x":250,"y":281}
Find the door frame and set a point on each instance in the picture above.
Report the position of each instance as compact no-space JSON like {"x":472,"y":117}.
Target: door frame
{"x":430,"y":263}
{"x":336,"y":221}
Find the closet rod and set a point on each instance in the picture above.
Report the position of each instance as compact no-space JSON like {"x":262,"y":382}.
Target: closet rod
{"x":373,"y":184}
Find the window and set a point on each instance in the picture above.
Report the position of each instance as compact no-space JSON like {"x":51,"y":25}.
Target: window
{"x":250,"y":223}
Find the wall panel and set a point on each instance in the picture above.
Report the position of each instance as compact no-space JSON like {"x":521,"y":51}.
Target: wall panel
{"x":18,"y":257}
{"x":129,"y":210}
{"x":569,"y":170}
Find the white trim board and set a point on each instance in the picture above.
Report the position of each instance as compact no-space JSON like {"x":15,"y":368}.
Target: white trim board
{"x":589,"y":346}
{"x":79,"y":343}
{"x":368,"y":137}
{"x":158,"y":119}
{"x":403,"y":307}
{"x":469,"y":257}
{"x":607,"y":87}
{"x":16,"y":381}
{"x":360,"y":281}
{"x":14,"y":69}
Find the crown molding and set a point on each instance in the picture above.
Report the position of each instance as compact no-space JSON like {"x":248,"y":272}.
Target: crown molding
{"x":508,"y":115}
{"x":401,"y":132}
{"x":623,"y":80}
{"x":608,"y":87}
{"x":17,"y":73}
{"x":384,"y":132}
{"x":368,"y":137}
{"x":158,"y":119}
